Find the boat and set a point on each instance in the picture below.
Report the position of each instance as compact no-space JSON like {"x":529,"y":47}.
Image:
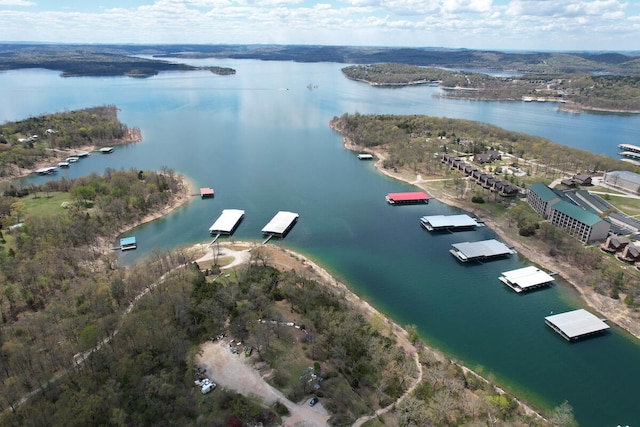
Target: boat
{"x":72,"y":159}
{"x":63,"y":164}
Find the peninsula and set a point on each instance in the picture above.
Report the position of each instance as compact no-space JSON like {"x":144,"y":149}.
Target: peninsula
{"x":572,"y":91}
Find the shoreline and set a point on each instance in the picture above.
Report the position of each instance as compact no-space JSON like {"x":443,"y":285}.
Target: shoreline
{"x":286,"y":259}
{"x":132,"y":136}
{"x":613,"y":310}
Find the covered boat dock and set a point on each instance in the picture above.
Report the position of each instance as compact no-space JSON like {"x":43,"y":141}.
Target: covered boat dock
{"x":526,"y":279}
{"x":206,"y":192}
{"x":449,"y":222}
{"x":227,"y":222}
{"x":576,"y":324}
{"x":412,"y":197}
{"x":128,"y":243}
{"x":280,"y":224}
{"x":482,"y":250}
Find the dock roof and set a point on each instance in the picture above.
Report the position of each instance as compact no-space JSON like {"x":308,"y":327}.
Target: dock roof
{"x":449,"y":221}
{"x":527,"y":278}
{"x":125,"y":241}
{"x":408,"y":197}
{"x":206,"y":192}
{"x":280,"y":223}
{"x":468,"y":251}
{"x":227,"y":221}
{"x":575,"y":324}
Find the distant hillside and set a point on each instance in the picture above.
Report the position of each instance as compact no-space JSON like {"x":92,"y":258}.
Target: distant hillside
{"x":121,"y":60}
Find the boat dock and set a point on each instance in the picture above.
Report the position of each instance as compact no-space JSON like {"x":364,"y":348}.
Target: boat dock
{"x":106,"y":150}
{"x":206,"y":192}
{"x":409,"y":198}
{"x":482,"y":250}
{"x":449,"y":222}
{"x":576,"y":324}
{"x":280,"y":224}
{"x":365,"y":156}
{"x":47,"y":171}
{"x":128,"y":243}
{"x":226,"y":223}
{"x":526,"y":279}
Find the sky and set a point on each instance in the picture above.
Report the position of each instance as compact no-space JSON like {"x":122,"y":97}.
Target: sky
{"x":548,"y":25}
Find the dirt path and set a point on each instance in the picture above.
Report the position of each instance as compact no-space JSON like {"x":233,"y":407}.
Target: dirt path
{"x":234,"y":371}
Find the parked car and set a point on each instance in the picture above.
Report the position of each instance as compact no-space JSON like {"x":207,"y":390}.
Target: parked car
{"x":207,"y":387}
{"x":313,"y":401}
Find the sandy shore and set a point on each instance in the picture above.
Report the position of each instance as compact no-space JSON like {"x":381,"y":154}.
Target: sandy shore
{"x":614,"y":310}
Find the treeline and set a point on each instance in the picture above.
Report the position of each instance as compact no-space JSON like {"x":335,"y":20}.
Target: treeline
{"x":24,"y":143}
{"x":417,"y":141}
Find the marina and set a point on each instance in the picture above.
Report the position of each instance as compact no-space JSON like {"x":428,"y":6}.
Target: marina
{"x":280,"y":224}
{"x":449,"y":222}
{"x":576,"y":324}
{"x":407,"y":198}
{"x":479,"y":251}
{"x":226,"y":223}
{"x":526,"y":279}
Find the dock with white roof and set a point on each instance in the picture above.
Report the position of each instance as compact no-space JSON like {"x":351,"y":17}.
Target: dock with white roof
{"x":226,"y":223}
{"x":482,"y":250}
{"x":449,"y":222}
{"x":280,"y":224}
{"x":526,"y":279}
{"x":576,"y":324}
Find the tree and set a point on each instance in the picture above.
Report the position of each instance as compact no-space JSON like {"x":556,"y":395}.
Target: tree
{"x":562,"y":416}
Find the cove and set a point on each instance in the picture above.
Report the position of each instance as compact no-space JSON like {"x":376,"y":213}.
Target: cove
{"x":261,"y":139}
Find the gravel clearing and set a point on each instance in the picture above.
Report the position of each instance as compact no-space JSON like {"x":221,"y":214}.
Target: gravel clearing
{"x":234,"y":372}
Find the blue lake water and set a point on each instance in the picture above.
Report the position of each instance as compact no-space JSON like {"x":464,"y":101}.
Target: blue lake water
{"x":261,"y":139}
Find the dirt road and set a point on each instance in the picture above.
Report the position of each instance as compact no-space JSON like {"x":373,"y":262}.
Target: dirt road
{"x":234,"y":372}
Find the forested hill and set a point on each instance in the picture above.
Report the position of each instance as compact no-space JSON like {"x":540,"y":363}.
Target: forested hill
{"x":121,"y":60}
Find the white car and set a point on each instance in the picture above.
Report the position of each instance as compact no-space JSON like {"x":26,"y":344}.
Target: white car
{"x":207,"y":387}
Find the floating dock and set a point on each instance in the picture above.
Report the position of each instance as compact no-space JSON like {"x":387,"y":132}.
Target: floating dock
{"x":449,"y":222}
{"x":365,"y":156}
{"x":128,"y":243}
{"x":280,"y":224}
{"x":629,"y":147}
{"x":482,"y":250}
{"x":576,"y":324}
{"x":47,"y":171}
{"x":106,"y":150}
{"x":410,"y":198}
{"x":206,"y":192}
{"x":63,"y":164}
{"x":227,"y":222}
{"x":526,"y":279}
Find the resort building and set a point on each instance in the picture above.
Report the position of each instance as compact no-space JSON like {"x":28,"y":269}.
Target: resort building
{"x":541,"y":198}
{"x":578,"y":222}
{"x":624,"y":180}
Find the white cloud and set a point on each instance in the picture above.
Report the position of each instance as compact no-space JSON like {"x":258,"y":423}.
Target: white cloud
{"x":22,"y":3}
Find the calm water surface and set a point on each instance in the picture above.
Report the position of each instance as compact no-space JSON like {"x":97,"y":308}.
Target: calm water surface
{"x":261,"y":139}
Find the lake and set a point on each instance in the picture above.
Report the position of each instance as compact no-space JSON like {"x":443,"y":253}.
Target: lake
{"x":261,"y":139}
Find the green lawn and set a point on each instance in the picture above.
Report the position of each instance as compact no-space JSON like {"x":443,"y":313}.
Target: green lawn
{"x":43,"y":204}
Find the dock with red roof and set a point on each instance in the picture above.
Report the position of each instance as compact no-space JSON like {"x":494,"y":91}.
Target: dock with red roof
{"x":412,"y":197}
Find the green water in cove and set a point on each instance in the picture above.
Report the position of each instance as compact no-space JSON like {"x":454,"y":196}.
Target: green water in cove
{"x":261,"y":139}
